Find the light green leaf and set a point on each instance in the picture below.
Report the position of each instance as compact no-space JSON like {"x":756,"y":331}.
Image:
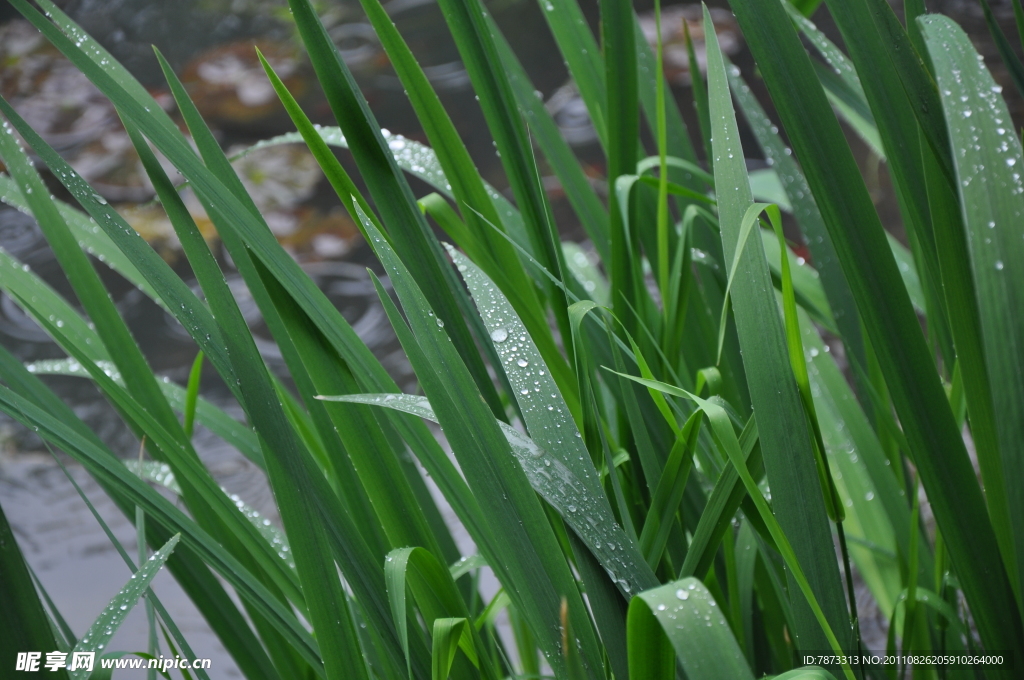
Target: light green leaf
{"x":104,"y":627}
{"x":686,"y":613}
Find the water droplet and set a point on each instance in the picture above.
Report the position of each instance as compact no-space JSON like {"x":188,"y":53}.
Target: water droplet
{"x":499,"y":335}
{"x":522,"y":363}
{"x":999,"y":265}
{"x":682,"y":594}
{"x":440,"y":324}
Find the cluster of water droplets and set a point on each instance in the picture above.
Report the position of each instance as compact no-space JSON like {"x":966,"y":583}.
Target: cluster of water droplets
{"x":418,"y":159}
{"x":72,"y":367}
{"x":268,"y":530}
{"x":968,"y":89}
{"x":107,"y":623}
{"x":828,"y":50}
{"x":161,"y":473}
{"x":555,"y":459}
{"x":689,"y":608}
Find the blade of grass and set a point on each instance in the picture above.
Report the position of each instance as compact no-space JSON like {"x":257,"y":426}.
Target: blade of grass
{"x":104,"y":627}
{"x":786,"y":443}
{"x":618,"y":47}
{"x":991,"y":203}
{"x":24,"y":626}
{"x":823,"y":253}
{"x":353,"y":555}
{"x":93,"y":241}
{"x":722,"y":504}
{"x":879,"y":45}
{"x":472,"y":32}
{"x":207,"y":414}
{"x":544,"y":414}
{"x":583,"y":57}
{"x":578,"y":187}
{"x":448,"y":637}
{"x":846,"y":93}
{"x":192,"y":394}
{"x":686,"y":613}
{"x":725,"y":439}
{"x":83,"y":277}
{"x":874,"y":504}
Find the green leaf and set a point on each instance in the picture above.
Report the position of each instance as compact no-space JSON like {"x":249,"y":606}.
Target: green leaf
{"x":478,"y":48}
{"x":841,"y":82}
{"x":618,"y":45}
{"x":669,"y":493}
{"x":556,"y":481}
{"x":192,"y":394}
{"x":807,"y":287}
{"x":876,"y":505}
{"x":24,"y":626}
{"x":783,"y":432}
{"x":578,"y":187}
{"x":417,"y":571}
{"x":83,"y":277}
{"x":766,"y":187}
{"x":587,"y":273}
{"x":988,"y":159}
{"x":448,"y":634}
{"x":819,"y":243}
{"x":94,"y":241}
{"x":721,"y":507}
{"x":32,"y":293}
{"x":107,"y":623}
{"x":194,"y":576}
{"x":493,"y":252}
{"x":582,"y":55}
{"x":553,"y":426}
{"x":687,"y":615}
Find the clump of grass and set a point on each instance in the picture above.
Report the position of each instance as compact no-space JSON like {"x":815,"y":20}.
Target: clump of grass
{"x":641,"y":520}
